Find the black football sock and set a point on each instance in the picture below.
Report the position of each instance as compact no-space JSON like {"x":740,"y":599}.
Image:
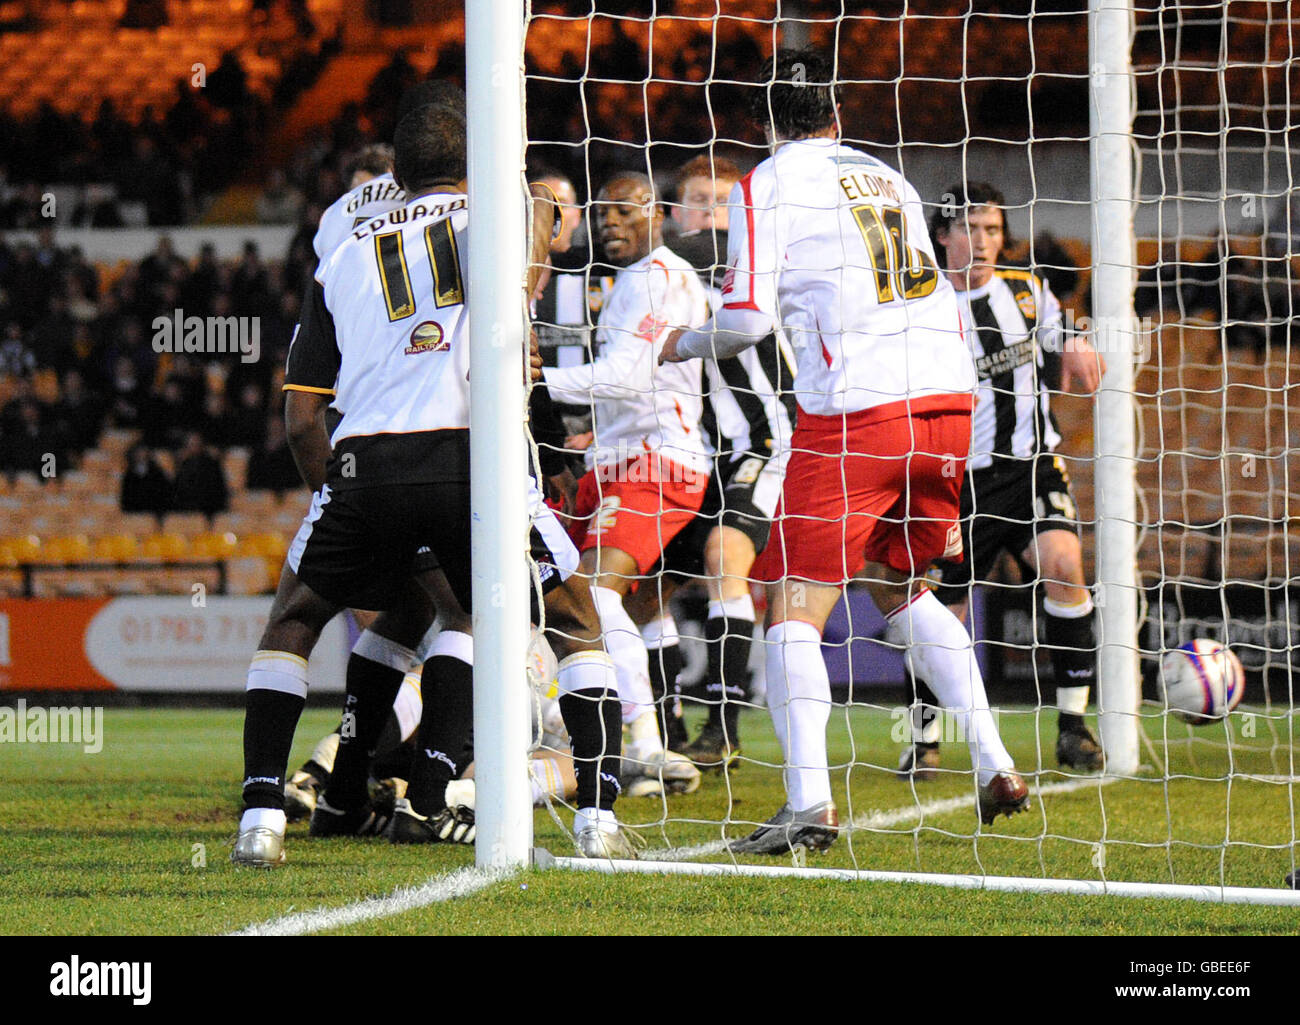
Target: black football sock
{"x":923,"y":716}
{"x":594,"y":719}
{"x":665,"y":666}
{"x":445,"y":723}
{"x":396,"y":761}
{"x":730,"y":641}
{"x":1074,"y":663}
{"x":376,"y":669}
{"x":270,"y":719}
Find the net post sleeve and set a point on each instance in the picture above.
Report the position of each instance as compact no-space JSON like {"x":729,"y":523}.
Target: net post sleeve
{"x":499,"y":516}
{"x":1110,"y":143}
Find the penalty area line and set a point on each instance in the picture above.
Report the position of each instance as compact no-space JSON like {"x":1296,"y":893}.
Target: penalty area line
{"x":460,"y":883}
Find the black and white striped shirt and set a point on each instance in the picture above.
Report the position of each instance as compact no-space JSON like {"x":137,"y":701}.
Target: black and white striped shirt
{"x":1013,"y":326}
{"x":749,"y":404}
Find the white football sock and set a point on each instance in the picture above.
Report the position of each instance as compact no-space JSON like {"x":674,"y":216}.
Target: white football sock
{"x":408,"y":706}
{"x":799,"y":699}
{"x":661,"y":632}
{"x":325,"y":751}
{"x":271,"y":818}
{"x":1072,"y":700}
{"x":606,"y":820}
{"x":940,"y":652}
{"x":625,"y":646}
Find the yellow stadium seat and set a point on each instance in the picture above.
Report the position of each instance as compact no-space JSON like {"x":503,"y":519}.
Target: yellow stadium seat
{"x":164,"y":548}
{"x":267,"y":545}
{"x":115,"y":548}
{"x":68,"y":548}
{"x":214,"y":545}
{"x":24,"y":547}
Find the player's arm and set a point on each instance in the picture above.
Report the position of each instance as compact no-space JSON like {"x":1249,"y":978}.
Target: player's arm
{"x":748,"y":311}
{"x":542,"y":230}
{"x":313,"y":368}
{"x":624,"y":365}
{"x":1081,"y":365}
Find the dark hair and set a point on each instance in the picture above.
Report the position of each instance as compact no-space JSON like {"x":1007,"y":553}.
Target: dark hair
{"x":797,"y":95}
{"x":429,"y":148}
{"x":638,"y":177}
{"x":704,"y":166}
{"x":374,"y":159}
{"x":956,"y":200}
{"x":430,"y":91}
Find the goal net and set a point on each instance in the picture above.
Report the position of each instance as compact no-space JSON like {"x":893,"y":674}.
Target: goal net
{"x":1180,"y":467}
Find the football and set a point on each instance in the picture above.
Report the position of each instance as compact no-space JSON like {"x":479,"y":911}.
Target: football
{"x":1201,"y":682}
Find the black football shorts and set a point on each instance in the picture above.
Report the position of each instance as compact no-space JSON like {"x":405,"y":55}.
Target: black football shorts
{"x":1003,"y":510}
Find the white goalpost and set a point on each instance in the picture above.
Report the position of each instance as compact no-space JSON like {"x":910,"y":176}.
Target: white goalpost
{"x":1205,"y":812}
{"x":1111,"y":102}
{"x":494,"y":32}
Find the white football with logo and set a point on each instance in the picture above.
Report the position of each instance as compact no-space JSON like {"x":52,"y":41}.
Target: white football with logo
{"x":1201,"y":682}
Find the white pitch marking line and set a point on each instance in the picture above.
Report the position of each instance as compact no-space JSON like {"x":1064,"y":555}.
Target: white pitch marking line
{"x":892,"y":817}
{"x":460,"y":883}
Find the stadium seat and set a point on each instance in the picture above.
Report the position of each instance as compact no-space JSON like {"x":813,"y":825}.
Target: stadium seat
{"x":65,"y":549}
{"x":115,"y":548}
{"x":23,"y":547}
{"x":164,"y":547}
{"x":213,"y":545}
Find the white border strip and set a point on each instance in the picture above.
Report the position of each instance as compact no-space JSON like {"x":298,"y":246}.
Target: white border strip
{"x":460,"y":883}
{"x":1005,"y":884}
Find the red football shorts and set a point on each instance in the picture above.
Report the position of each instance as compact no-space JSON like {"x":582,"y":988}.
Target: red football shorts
{"x":870,"y":487}
{"x":637,"y":506}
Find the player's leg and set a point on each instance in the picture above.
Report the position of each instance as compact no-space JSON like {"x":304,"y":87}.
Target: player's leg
{"x":382,"y":657}
{"x":799,"y":702}
{"x":1057,"y":557}
{"x":444,"y":737}
{"x":748,"y":504}
{"x":275,"y":695}
{"x":729,"y":632}
{"x":649,"y":609}
{"x":649,"y":768}
{"x":924,"y":527}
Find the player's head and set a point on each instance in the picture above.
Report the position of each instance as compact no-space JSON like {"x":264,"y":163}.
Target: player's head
{"x":629,"y":222}
{"x":703,"y":185}
{"x":432,"y":91}
{"x":371,"y":162}
{"x":969,"y":228}
{"x":797,"y":98}
{"x":429,"y":149}
{"x":570,"y":211}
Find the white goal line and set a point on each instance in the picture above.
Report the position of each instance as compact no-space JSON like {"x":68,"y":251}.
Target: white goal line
{"x":1005,"y":884}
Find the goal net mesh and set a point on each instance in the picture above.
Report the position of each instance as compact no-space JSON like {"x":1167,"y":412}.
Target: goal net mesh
{"x":950,"y":95}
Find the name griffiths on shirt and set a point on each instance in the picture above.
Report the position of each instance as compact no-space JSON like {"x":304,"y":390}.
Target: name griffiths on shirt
{"x":132,"y":979}
{"x":210,"y":335}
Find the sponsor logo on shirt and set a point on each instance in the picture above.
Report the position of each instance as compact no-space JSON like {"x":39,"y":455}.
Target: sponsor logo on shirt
{"x":427,"y":337}
{"x":1005,"y":360}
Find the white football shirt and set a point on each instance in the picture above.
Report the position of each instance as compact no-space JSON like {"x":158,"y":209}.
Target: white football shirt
{"x":368,"y":200}
{"x":637,"y":406}
{"x":386,"y":333}
{"x":831,"y":244}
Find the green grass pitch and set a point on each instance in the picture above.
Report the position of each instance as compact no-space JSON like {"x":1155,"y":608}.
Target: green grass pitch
{"x":136,"y":839}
